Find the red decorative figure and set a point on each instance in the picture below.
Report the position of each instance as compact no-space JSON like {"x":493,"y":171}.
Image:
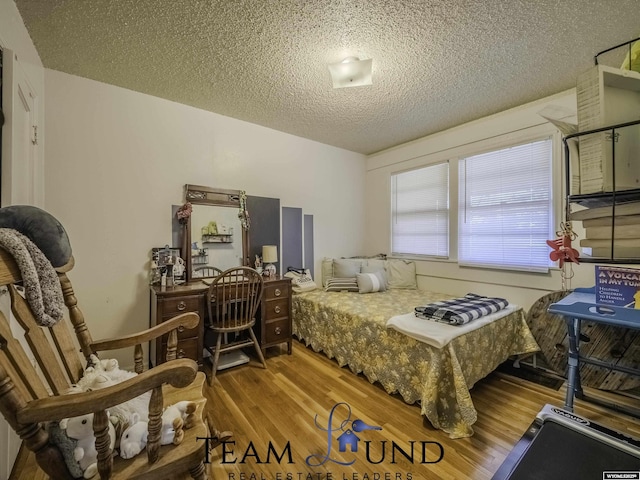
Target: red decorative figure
{"x":562,"y":250}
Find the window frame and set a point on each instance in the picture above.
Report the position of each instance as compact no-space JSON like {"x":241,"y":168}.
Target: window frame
{"x":392,"y":213}
{"x":552,"y":202}
{"x":499,"y":141}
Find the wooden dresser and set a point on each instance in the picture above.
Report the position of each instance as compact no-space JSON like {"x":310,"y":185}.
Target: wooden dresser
{"x":273,"y":319}
{"x":168,"y":302}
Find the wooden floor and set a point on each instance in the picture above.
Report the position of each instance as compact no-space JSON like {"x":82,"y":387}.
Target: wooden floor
{"x":269,"y":409}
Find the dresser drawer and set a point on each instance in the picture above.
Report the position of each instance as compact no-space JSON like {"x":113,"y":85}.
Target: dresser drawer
{"x":186,"y":349}
{"x":280,"y":290}
{"x":276,"y":309}
{"x":277,"y":331}
{"x":170,"y":302}
{"x":177,"y":305}
{"x":185,"y":332}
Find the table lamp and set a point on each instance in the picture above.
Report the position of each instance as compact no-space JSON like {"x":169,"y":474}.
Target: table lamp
{"x":269,"y":256}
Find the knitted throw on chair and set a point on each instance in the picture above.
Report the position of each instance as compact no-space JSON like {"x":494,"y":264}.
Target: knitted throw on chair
{"x":40,"y":280}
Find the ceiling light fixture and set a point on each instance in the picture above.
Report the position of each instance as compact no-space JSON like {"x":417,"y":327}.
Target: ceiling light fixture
{"x":351,"y":72}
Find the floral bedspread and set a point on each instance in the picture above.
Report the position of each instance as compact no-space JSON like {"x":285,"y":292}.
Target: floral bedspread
{"x":351,"y":327}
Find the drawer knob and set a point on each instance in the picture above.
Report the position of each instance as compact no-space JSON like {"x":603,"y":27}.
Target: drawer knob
{"x":181,"y":329}
{"x":277,"y":292}
{"x":277,"y":309}
{"x":181,"y":353}
{"x":277,"y":330}
{"x":182,"y":305}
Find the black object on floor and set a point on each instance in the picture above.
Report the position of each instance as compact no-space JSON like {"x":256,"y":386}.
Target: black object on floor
{"x":531,"y":374}
{"x":560,"y":445}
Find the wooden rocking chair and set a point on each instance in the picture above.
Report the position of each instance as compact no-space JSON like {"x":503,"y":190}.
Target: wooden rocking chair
{"x":30,"y":397}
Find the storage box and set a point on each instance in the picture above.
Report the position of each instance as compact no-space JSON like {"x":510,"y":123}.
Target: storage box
{"x":618,"y":286}
{"x":608,"y":96}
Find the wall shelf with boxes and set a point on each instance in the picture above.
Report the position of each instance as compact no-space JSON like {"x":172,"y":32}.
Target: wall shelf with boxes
{"x":602,"y":164}
{"x":217,"y":238}
{"x":610,"y":219}
{"x":201,"y":258}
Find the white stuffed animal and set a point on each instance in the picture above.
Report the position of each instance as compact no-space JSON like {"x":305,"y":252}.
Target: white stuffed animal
{"x":98,"y":373}
{"x":103,"y":373}
{"x":175,"y":419}
{"x":81,"y":429}
{"x":134,"y":438}
{"x":108,"y":367}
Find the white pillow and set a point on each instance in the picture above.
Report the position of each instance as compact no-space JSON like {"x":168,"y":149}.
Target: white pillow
{"x":376,"y":263}
{"x":327,"y":270}
{"x":376,"y":269}
{"x":371,"y":282}
{"x":401,"y":274}
{"x":347,"y":268}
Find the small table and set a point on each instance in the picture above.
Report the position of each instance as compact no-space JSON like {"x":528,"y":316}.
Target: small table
{"x":581,"y":305}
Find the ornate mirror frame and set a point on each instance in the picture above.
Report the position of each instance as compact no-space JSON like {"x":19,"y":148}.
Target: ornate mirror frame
{"x":201,"y":195}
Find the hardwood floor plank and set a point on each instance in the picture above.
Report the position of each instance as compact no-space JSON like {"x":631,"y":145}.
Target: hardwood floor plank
{"x":311,"y":384}
{"x":276,"y":407}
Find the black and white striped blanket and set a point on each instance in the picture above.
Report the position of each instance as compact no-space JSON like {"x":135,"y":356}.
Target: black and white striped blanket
{"x":460,"y":311}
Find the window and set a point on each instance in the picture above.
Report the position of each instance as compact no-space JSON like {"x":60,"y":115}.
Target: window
{"x":420,"y":211}
{"x":505,"y":207}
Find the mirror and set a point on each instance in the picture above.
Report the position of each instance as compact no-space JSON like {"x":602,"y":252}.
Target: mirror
{"x":216,"y":237}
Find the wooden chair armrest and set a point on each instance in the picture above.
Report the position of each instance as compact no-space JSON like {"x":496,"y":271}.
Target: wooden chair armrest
{"x":185,"y":320}
{"x":178,"y":373}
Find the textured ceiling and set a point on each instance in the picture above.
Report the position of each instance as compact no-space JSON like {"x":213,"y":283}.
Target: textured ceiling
{"x":436,"y":63}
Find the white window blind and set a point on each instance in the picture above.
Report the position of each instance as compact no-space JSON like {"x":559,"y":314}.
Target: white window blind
{"x":420,"y":211}
{"x":505,"y":208}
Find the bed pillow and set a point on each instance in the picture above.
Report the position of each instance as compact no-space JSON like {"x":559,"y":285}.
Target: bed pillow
{"x":401,"y":274}
{"x":376,"y":268}
{"x":346,"y":268}
{"x":327,"y":270}
{"x":42,"y":228}
{"x":377,"y":263}
{"x":342,"y":285}
{"x":371,"y":282}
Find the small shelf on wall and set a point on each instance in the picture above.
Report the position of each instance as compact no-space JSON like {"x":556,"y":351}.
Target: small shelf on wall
{"x":218,"y":238}
{"x":200,"y":259}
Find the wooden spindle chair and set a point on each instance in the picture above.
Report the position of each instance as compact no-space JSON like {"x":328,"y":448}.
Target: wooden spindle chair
{"x":206,"y":272}
{"x":233,"y":299}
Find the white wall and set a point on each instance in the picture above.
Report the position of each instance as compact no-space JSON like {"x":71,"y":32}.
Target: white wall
{"x":117,"y":160}
{"x":447,"y":276}
{"x":14,"y":36}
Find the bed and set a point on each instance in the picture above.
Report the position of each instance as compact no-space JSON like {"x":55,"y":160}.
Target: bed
{"x":352,"y":328}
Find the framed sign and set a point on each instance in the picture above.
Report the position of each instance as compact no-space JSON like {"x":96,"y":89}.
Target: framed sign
{"x":168,"y":261}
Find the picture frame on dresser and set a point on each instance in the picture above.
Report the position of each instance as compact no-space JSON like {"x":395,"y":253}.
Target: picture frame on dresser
{"x":167,"y":260}
{"x":165,"y":255}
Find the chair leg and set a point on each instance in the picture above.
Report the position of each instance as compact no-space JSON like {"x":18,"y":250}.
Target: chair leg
{"x":258,"y":349}
{"x":216,"y":437}
{"x":198,"y":472}
{"x":216,"y":358}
